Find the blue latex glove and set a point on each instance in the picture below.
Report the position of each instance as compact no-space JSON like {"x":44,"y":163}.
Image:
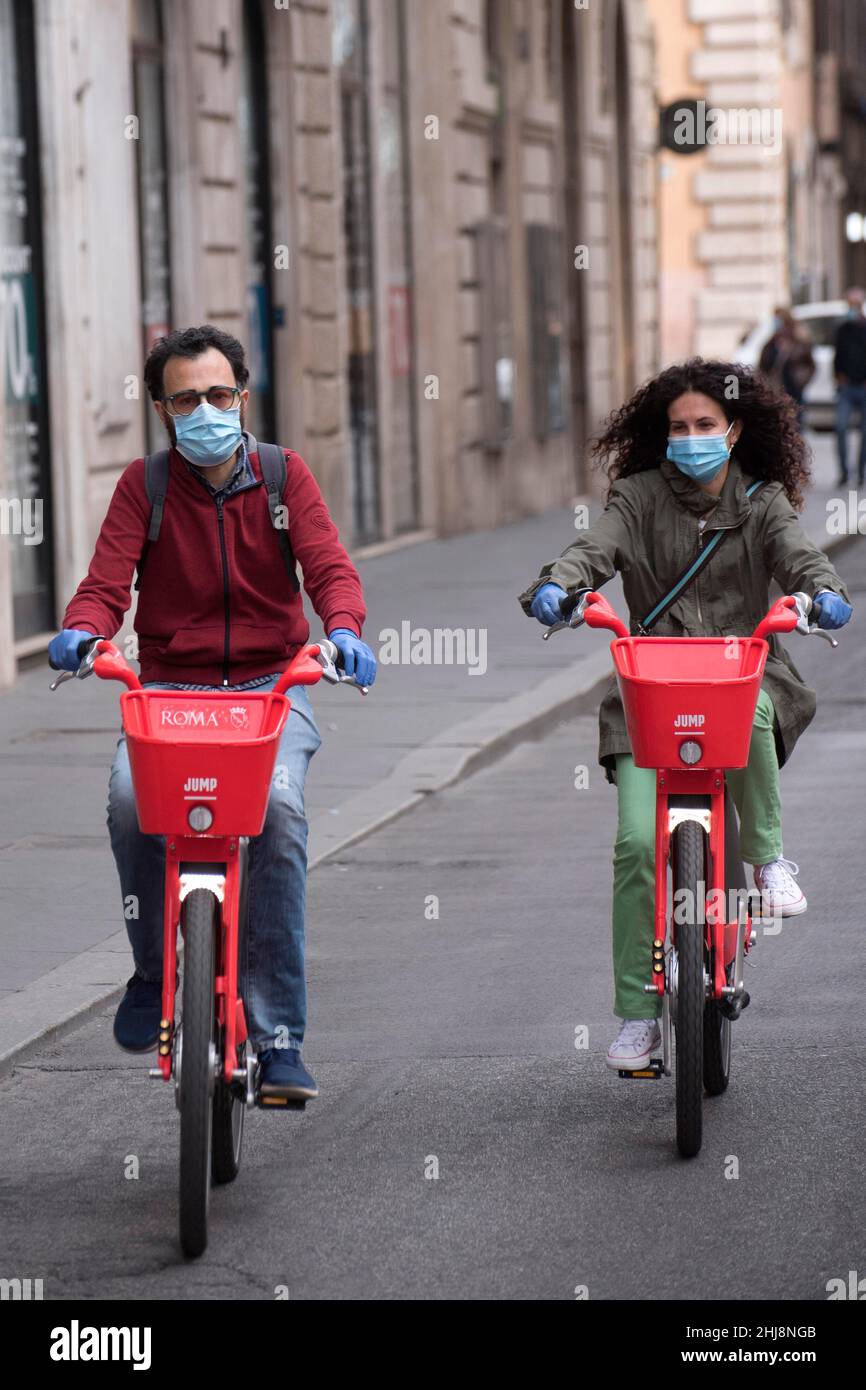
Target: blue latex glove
{"x":830,"y":610}
{"x":358,"y":660}
{"x":547,"y":604}
{"x":63,"y":649}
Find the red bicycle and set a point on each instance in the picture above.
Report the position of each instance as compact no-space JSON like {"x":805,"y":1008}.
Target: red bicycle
{"x":689,"y":706}
{"x":202,"y":765}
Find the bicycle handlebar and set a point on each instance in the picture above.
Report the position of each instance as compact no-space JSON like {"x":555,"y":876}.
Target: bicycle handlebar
{"x":321,"y":661}
{"x":788,"y":614}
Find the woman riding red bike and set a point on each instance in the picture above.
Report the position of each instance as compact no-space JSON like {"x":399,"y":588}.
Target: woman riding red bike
{"x":704,"y":453}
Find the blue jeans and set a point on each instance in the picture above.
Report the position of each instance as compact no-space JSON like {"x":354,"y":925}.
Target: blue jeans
{"x":850,"y":399}
{"x":272,"y":966}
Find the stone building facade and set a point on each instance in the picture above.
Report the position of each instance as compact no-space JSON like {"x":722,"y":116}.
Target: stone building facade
{"x":746,"y":223}
{"x":433,"y":225}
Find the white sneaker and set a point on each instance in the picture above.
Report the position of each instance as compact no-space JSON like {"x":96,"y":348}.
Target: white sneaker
{"x":634,"y":1044}
{"x":780,"y":895}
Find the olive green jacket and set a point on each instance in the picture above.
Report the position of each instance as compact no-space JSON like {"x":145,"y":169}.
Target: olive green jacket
{"x":649,"y":533}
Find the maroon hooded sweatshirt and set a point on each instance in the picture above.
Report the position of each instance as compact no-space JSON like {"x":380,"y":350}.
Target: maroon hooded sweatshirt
{"x":216,"y":605}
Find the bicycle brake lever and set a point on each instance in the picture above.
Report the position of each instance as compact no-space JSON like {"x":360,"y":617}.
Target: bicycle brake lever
{"x":807,"y":629}
{"x":558,"y":627}
{"x":330,"y":671}
{"x":574,"y":620}
{"x":64,"y":676}
{"x":84,"y":670}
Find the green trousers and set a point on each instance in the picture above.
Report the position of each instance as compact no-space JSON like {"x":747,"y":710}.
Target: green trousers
{"x":755,"y":790}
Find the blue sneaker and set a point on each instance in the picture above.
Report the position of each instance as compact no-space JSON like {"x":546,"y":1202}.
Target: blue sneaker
{"x":136,"y":1023}
{"x":283,"y":1074}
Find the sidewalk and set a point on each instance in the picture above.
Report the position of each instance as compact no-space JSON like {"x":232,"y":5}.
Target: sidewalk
{"x":421,"y":726}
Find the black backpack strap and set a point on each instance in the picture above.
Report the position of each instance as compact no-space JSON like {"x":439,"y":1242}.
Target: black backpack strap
{"x":690,"y":574}
{"x":156,"y":487}
{"x":273,"y":461}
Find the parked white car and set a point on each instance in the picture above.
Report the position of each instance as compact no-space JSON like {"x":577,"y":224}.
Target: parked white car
{"x":822,"y":320}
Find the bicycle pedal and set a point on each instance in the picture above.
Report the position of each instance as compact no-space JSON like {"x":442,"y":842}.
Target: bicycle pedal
{"x":279,"y":1103}
{"x":650,"y":1073}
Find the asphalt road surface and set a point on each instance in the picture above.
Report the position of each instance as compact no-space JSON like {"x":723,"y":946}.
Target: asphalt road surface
{"x":445,"y":1044}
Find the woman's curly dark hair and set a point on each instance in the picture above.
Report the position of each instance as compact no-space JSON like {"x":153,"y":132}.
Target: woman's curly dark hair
{"x":770,"y":445}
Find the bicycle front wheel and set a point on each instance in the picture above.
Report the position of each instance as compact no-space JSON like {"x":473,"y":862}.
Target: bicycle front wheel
{"x":689,"y":881}
{"x":198,"y":1061}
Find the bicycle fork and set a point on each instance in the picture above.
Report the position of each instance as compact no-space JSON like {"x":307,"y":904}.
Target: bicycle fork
{"x":218,"y":867}
{"x":699,"y":798}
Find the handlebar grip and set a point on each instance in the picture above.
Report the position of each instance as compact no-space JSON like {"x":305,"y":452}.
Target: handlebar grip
{"x":568,"y":605}
{"x":571,"y":601}
{"x":333,"y":651}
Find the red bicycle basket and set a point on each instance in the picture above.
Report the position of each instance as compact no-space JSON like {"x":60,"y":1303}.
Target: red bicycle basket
{"x":700,"y":689}
{"x":191,"y":749}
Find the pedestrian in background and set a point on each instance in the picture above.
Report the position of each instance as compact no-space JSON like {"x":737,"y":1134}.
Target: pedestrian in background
{"x":787,"y":362}
{"x":850,"y":371}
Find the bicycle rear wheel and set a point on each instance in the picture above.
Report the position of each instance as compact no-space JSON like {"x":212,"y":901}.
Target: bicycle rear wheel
{"x":717,"y":1049}
{"x":228,"y":1129}
{"x":689,"y":881}
{"x":197,"y":1067}
{"x":229,"y":1103}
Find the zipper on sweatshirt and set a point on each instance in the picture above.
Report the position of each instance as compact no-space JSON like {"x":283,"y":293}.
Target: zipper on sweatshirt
{"x":226,"y":600}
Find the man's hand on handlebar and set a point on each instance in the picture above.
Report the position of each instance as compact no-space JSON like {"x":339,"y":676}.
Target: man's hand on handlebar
{"x":358,"y":660}
{"x":67,"y":650}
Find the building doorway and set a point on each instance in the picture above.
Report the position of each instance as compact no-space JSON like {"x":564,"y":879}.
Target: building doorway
{"x":623,"y":219}
{"x":575,"y":236}
{"x":25,"y":507}
{"x":351,"y":36}
{"x":152,"y":188}
{"x":255,"y":137}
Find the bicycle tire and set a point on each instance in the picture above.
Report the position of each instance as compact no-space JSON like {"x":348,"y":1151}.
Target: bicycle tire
{"x":228,"y":1108}
{"x":196,"y":1080}
{"x":717,"y":1049}
{"x":689,"y":1019}
{"x":228,"y":1131}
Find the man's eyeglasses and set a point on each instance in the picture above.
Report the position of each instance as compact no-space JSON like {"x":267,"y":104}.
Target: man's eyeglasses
{"x":185,"y":402}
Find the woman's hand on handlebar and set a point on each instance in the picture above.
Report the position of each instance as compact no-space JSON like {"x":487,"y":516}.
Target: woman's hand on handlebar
{"x":830,"y":610}
{"x":546,"y":606}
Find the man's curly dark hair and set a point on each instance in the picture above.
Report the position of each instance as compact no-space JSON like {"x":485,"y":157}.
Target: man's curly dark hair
{"x":770,"y":444}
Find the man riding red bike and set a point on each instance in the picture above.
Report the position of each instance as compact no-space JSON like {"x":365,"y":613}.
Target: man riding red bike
{"x":216,"y":525}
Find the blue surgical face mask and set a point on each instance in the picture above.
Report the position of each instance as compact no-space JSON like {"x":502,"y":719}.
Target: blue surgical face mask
{"x":700,"y":456}
{"x":208,"y":436}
